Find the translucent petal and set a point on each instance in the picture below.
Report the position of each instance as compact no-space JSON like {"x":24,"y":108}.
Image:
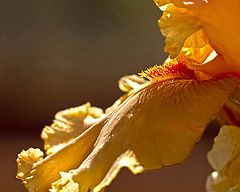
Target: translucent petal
{"x":225,"y":159}
{"x":141,"y":134}
{"x":162,"y":3}
{"x":196,"y":40}
{"x":46,"y":171}
{"x":196,"y":47}
{"x":177,"y":24}
{"x":219,"y":21}
{"x":131,"y":82}
{"x":68,"y":124}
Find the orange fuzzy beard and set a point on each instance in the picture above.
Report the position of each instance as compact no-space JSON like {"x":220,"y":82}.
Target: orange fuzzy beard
{"x":168,"y":71}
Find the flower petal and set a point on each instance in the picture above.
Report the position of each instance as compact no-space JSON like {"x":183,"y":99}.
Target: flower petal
{"x":196,"y":40}
{"x":128,"y":84}
{"x":213,"y":68}
{"x":46,"y":171}
{"x":230,"y":112}
{"x":141,"y":134}
{"x":25,"y":161}
{"x":131,"y":82}
{"x":68,"y":185}
{"x":67,"y":125}
{"x":177,"y":24}
{"x":196,"y":47}
{"x":218,"y":19}
{"x":220,"y":22}
{"x":162,"y":3}
{"x":225,"y":159}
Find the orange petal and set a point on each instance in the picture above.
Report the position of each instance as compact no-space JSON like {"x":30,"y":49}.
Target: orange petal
{"x":220,"y":22}
{"x":213,"y":68}
{"x":218,"y":19}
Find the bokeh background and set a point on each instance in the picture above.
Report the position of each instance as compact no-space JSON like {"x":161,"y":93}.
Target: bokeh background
{"x":56,"y":54}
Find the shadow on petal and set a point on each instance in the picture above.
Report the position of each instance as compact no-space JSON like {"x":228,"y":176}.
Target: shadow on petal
{"x":155,"y":127}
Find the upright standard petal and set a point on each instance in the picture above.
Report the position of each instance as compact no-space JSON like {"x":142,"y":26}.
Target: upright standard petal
{"x":177,"y":24}
{"x":220,"y":21}
{"x":217,"y":19}
{"x":225,"y":159}
{"x":155,"y":127}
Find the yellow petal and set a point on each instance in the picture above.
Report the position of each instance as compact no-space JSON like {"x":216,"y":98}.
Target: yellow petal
{"x":225,"y":159}
{"x":177,"y":24}
{"x":196,"y":40}
{"x":46,"y":171}
{"x":163,"y":3}
{"x":131,"y":82}
{"x":67,"y":184}
{"x":195,"y":51}
{"x":68,"y":124}
{"x":160,"y":3}
{"x":196,"y":47}
{"x":155,"y":127}
{"x":25,"y":161}
{"x":128,"y":84}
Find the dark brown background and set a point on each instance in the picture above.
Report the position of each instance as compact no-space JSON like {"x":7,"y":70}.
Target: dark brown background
{"x":56,"y":54}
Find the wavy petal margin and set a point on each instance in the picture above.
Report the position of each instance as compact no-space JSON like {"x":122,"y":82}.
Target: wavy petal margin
{"x":40,"y":174}
{"x":182,"y":19}
{"x":25,"y":161}
{"x":68,"y":124}
{"x":141,"y":135}
{"x":225,"y":159}
{"x":177,"y":25}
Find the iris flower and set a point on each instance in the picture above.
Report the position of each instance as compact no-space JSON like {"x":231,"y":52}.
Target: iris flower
{"x":161,"y":115}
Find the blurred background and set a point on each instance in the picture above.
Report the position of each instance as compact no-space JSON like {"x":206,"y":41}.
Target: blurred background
{"x":56,"y":54}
